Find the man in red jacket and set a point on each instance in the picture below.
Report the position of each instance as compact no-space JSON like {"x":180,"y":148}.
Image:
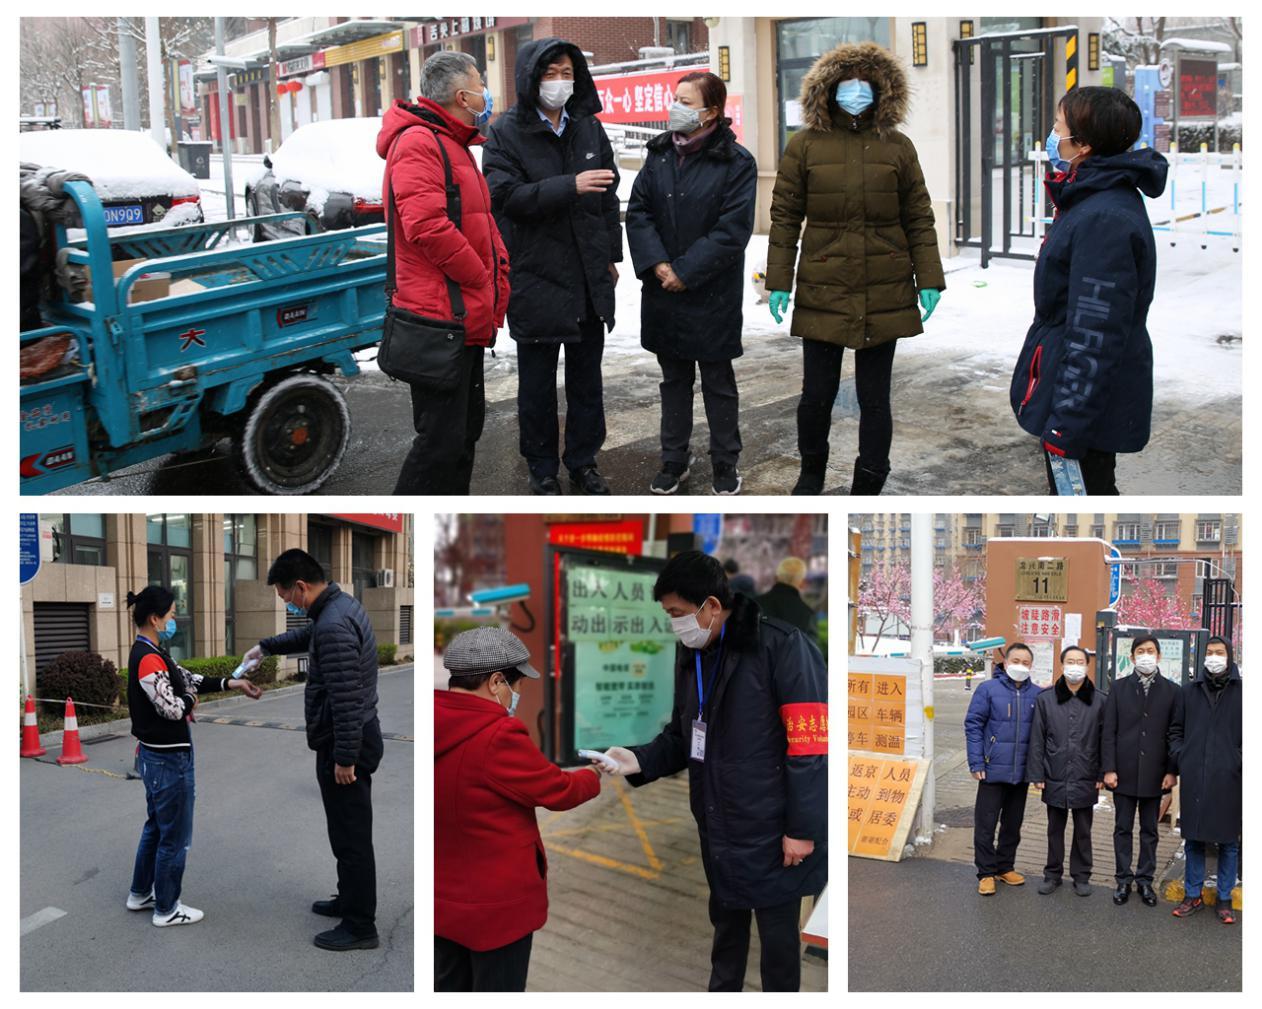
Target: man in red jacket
{"x":490,"y":869}
{"x":430,"y":251}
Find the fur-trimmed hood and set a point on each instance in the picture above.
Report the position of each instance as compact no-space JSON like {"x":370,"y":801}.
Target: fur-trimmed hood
{"x":865,"y":61}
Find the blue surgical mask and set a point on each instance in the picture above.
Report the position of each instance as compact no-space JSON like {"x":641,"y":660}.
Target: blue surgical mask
{"x":854,"y":96}
{"x":298,"y":611}
{"x":167,"y":632}
{"x":512,"y":705}
{"x":1053,"y":151}
{"x":479,"y":118}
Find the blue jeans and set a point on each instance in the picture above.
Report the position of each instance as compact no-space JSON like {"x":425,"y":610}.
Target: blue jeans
{"x":168,"y":832}
{"x":1194,"y":877}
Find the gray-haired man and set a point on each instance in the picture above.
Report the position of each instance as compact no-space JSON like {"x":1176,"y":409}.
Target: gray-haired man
{"x":443,"y":266}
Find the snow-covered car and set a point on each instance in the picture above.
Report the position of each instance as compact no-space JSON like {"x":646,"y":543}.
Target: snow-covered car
{"x":137,"y":182}
{"x":329,"y":171}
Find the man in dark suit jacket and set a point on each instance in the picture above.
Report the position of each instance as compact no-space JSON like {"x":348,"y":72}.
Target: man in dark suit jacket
{"x":784,"y":599}
{"x":1139,"y":716}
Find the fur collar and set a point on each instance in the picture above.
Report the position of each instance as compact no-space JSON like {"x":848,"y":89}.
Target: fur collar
{"x":718,"y":145}
{"x":1085,"y":692}
{"x":865,"y":61}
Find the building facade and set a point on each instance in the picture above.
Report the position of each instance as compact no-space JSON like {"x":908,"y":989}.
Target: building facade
{"x":216,"y":566}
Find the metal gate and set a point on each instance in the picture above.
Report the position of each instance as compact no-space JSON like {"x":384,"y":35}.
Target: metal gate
{"x":1005,"y":95}
{"x":1218,"y":611}
{"x":60,"y":627}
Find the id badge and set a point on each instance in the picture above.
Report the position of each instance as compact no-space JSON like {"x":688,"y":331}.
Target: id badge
{"x":698,"y":740}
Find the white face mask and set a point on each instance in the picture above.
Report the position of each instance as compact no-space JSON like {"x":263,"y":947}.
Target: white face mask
{"x":1215,"y":663}
{"x":689,"y":632}
{"x":1017,"y":672}
{"x":1146,"y":663}
{"x":554,"y":94}
{"x":1075,"y":672}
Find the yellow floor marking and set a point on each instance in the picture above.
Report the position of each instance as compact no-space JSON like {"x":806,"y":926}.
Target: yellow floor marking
{"x":608,"y":863}
{"x":637,"y":826}
{"x":655,"y":864}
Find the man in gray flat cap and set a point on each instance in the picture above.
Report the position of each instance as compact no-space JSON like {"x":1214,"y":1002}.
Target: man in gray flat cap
{"x":490,"y":869}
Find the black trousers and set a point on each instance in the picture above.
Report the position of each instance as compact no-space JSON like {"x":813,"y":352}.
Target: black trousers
{"x":458,"y":968}
{"x":722,"y":408}
{"x":448,"y":426}
{"x":1003,"y":805}
{"x":1123,"y":836}
{"x":1080,"y":850}
{"x":538,"y":425}
{"x":1099,"y":472}
{"x":781,"y":963}
{"x":821,"y":378}
{"x":348,"y":814}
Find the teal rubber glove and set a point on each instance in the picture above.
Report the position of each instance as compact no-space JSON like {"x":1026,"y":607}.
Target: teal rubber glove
{"x":929,"y":301}
{"x":779,"y":304}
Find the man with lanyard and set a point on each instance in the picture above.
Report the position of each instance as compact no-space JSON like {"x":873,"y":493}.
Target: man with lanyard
{"x":750,"y":725}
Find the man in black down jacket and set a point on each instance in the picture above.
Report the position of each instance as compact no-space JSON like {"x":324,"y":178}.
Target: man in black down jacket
{"x":1207,"y":750}
{"x":754,"y":740}
{"x":554,"y":193}
{"x":784,"y":599}
{"x":342,"y":727}
{"x":1142,"y":714}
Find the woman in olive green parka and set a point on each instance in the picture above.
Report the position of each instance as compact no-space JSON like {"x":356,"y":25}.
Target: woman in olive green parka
{"x":868,"y":248}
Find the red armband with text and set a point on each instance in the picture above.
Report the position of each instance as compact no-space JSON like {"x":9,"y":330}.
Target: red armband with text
{"x":806,"y":729}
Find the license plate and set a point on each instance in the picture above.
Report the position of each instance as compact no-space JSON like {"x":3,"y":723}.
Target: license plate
{"x":131,"y":213}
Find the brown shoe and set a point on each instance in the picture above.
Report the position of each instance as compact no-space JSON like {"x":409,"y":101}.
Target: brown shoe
{"x":986,"y":886}
{"x":1012,"y":877}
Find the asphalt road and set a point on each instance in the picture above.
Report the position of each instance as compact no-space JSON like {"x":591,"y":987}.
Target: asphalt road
{"x":919,"y":925}
{"x":260,"y":855}
{"x":951,"y":435}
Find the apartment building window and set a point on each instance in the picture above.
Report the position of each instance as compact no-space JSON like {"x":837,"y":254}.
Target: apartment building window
{"x":973,"y":537}
{"x":1005,"y":530}
{"x":1166,"y":532}
{"x":240,"y":564}
{"x":1165,"y":569}
{"x":1071,"y":530}
{"x":77,"y":539}
{"x":170,"y":539}
{"x":1041,"y":530}
{"x":1129,"y":570}
{"x":1209,"y":530}
{"x":1097,"y":530}
{"x":1126,"y":532}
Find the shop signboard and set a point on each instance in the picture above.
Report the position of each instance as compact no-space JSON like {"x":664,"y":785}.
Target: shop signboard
{"x":625,"y":537}
{"x":389,"y":522}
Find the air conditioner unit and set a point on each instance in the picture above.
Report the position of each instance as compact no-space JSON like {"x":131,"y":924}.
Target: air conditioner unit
{"x":385,"y":578}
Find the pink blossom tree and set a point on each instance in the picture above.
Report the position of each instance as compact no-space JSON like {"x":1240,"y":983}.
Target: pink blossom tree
{"x":886,"y":596}
{"x":957,"y":602}
{"x":1148,"y":603}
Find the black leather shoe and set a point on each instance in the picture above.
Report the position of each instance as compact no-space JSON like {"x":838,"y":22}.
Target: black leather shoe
{"x":1082,"y":889}
{"x":342,"y":938}
{"x":1122,"y":894}
{"x":588,"y":481}
{"x":549,"y":486}
{"x":1049,"y":886}
{"x":1147,"y":894}
{"x":328,"y":908}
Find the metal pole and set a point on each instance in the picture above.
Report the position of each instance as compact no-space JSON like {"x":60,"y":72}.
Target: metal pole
{"x":225,"y":123}
{"x":922,"y":651}
{"x":157,"y":91}
{"x":129,"y":75}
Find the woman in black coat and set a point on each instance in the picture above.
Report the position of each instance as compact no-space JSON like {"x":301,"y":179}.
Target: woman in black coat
{"x":1208,"y":753}
{"x":1063,"y":762}
{"x":1083,"y":380}
{"x":688,"y":221}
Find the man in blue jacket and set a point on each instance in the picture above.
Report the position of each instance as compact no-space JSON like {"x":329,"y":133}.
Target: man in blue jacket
{"x":997,"y":733}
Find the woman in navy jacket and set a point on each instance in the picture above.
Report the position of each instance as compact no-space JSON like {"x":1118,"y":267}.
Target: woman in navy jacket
{"x":997,"y":736}
{"x":1083,"y":382}
{"x":689,"y":219}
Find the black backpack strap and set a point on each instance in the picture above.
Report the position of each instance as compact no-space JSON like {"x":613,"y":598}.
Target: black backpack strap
{"x":454,"y":214}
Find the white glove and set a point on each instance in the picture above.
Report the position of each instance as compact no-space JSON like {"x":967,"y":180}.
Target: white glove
{"x":615,"y":760}
{"x":248,"y":661}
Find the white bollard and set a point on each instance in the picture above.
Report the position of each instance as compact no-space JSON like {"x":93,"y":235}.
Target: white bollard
{"x":1174,"y":184}
{"x":1235,"y":197}
{"x":1204,"y":196}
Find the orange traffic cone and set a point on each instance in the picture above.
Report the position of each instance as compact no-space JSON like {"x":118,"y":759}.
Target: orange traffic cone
{"x":71,"y":751}
{"x":30,"y":731}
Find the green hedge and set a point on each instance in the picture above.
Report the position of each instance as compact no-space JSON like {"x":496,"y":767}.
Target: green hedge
{"x":385,"y":654}
{"x":956,"y":665}
{"x":217,"y":665}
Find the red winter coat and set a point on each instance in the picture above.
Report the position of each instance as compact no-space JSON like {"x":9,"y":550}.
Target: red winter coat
{"x":429,"y":248}
{"x":490,"y":869}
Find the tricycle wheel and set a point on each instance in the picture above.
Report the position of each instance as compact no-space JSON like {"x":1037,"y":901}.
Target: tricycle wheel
{"x":295,"y":435}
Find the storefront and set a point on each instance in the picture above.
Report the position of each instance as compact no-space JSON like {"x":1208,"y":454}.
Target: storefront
{"x":216,"y":566}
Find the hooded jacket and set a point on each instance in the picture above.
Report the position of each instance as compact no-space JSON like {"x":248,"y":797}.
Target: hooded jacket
{"x":1064,"y":751}
{"x":490,"y":869}
{"x":870,"y":242}
{"x":698,"y":217}
{"x":1083,"y":379}
{"x":1207,"y":752}
{"x":561,"y":243}
{"x":765,"y":773}
{"x":340,"y":699}
{"x":997,"y":727}
{"x":429,"y":248}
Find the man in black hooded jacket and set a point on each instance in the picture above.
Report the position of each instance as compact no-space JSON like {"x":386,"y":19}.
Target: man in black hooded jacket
{"x":554,"y":193}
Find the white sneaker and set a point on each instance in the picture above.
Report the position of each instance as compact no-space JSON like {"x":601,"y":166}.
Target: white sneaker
{"x":135,"y":903}
{"x":182,"y":915}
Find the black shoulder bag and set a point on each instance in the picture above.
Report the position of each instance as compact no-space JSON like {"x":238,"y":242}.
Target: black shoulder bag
{"x":422,"y":352}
